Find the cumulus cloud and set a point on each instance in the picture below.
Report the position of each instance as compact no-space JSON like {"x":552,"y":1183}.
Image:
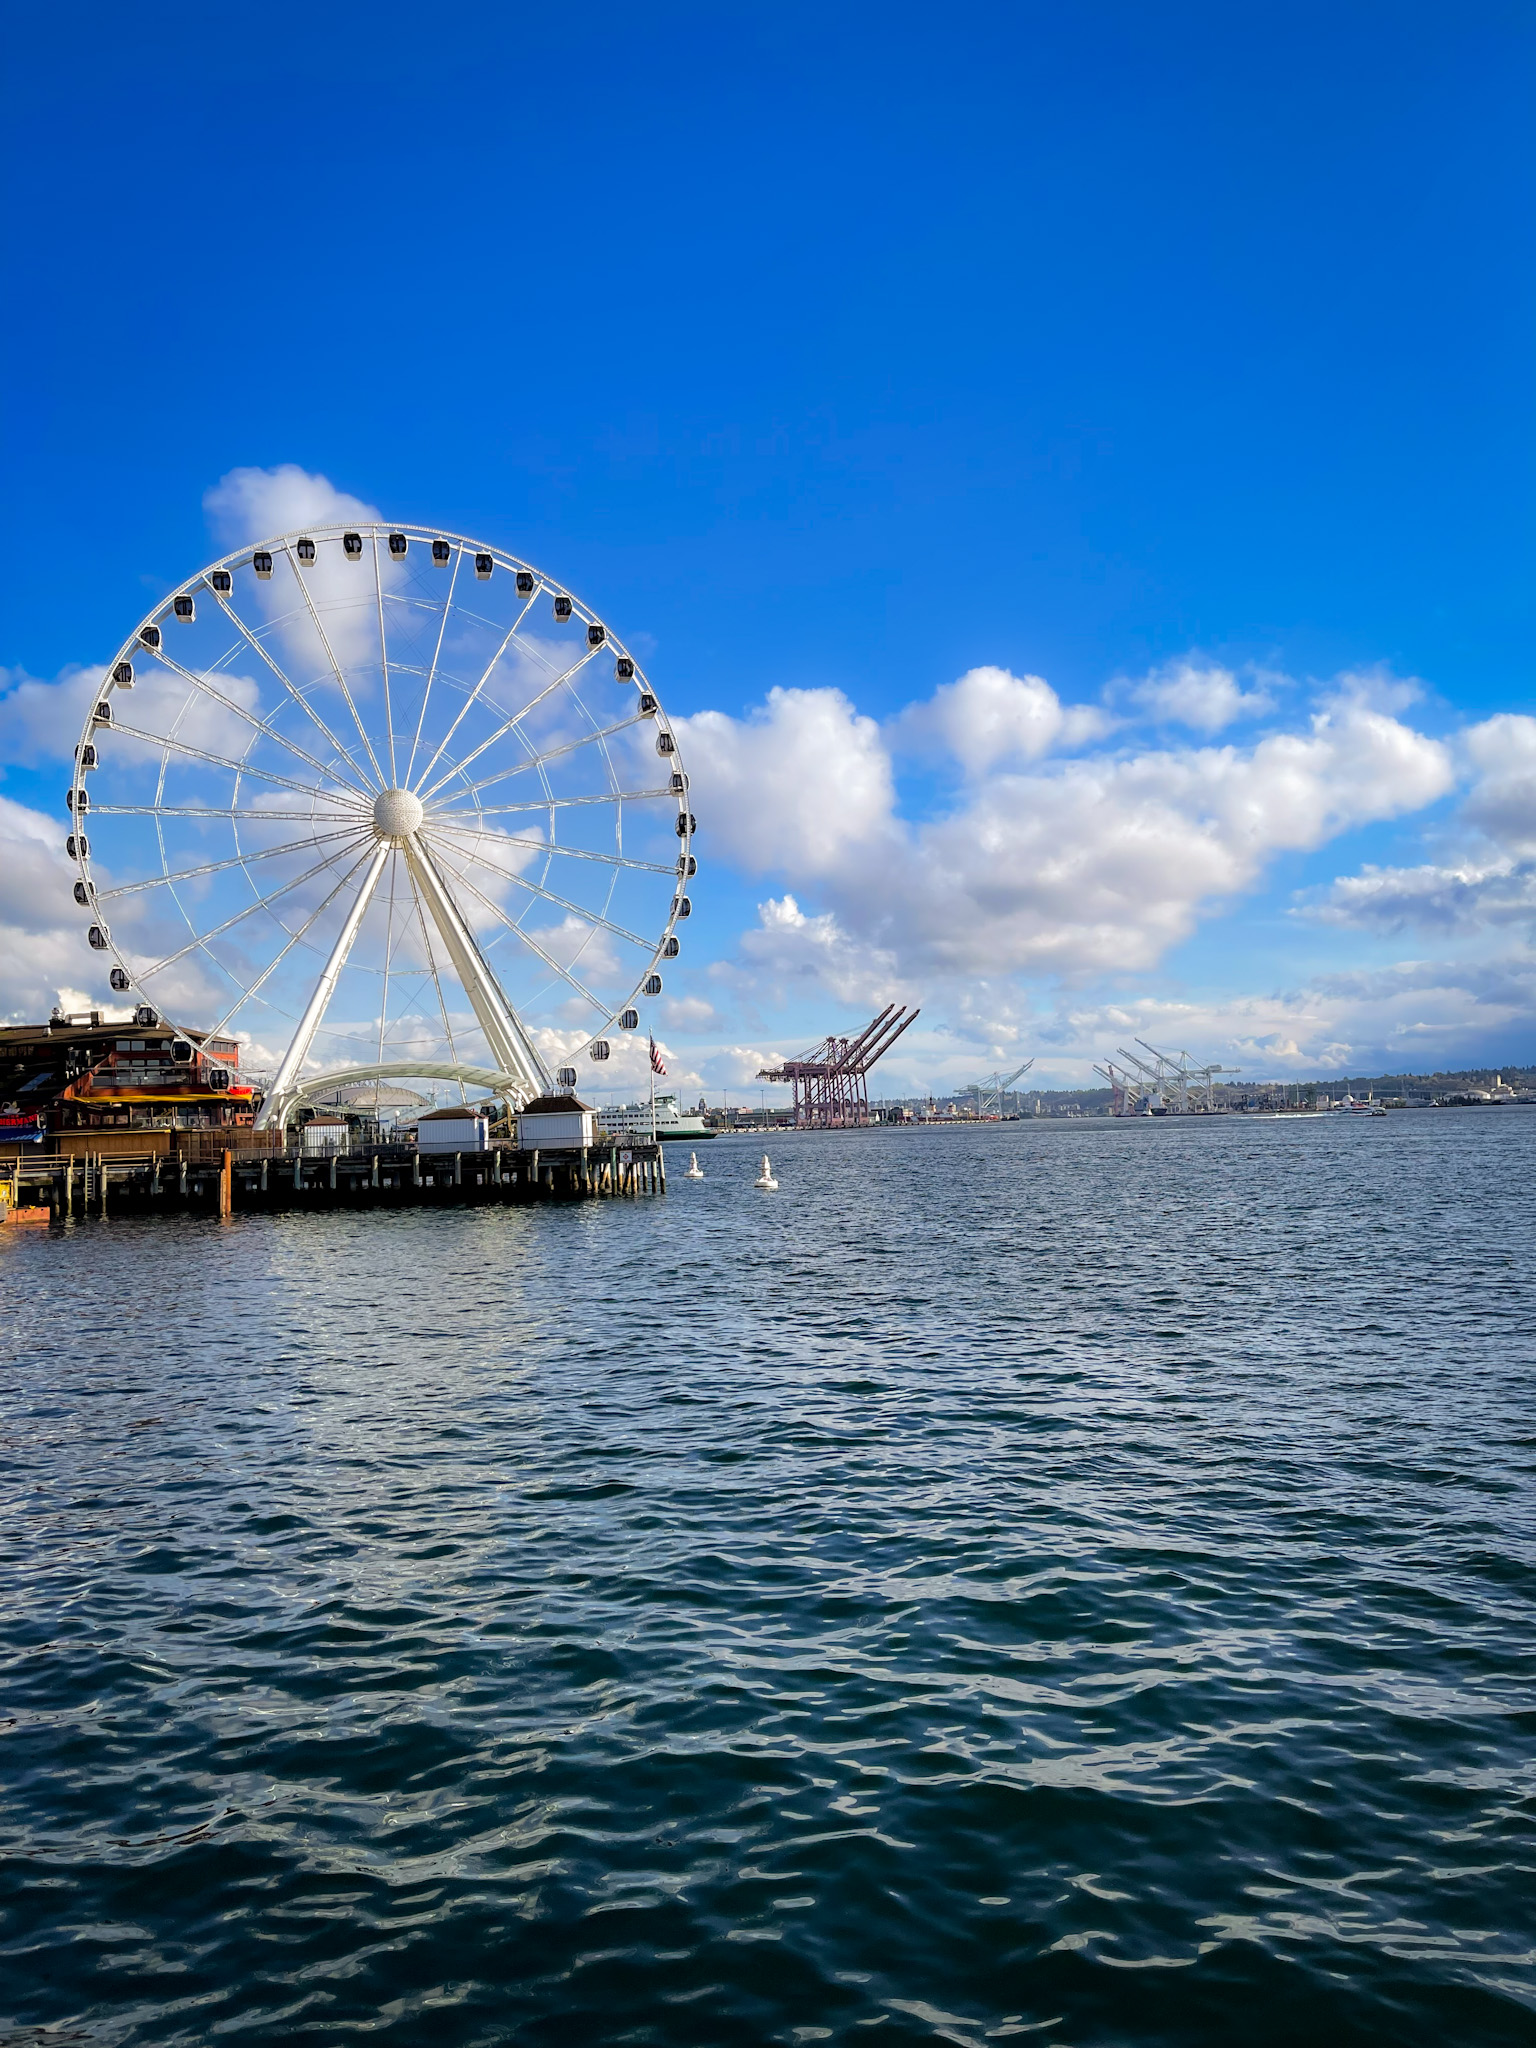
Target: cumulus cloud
{"x":40,"y":720}
{"x":991,"y":715}
{"x":1450,"y":899}
{"x":1199,"y":694}
{"x":1072,"y":867}
{"x":42,"y":935}
{"x":1489,"y":880}
{"x":788,"y":946}
{"x":249,"y":505}
{"x":1502,"y":803}
{"x":795,"y":786}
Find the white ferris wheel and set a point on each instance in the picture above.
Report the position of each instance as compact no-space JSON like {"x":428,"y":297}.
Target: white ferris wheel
{"x":383,"y":802}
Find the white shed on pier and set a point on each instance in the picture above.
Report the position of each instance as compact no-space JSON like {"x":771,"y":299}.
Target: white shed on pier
{"x":556,"y":1123}
{"x":453,"y":1130}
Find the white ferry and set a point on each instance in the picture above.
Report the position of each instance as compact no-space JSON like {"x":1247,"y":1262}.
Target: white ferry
{"x":633,"y":1120}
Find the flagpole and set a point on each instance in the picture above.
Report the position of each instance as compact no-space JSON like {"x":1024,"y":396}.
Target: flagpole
{"x":653,"y":1091}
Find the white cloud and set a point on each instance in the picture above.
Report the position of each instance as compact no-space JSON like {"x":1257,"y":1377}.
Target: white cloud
{"x":249,"y":505}
{"x":1374,"y":689}
{"x":1199,"y":694}
{"x":1463,"y":898}
{"x":991,"y":715}
{"x":1488,"y":879}
{"x":42,"y":721}
{"x":42,"y":933}
{"x":793,"y":787}
{"x":1092,"y":864}
{"x":787,"y":946}
{"x":688,"y":1013}
{"x":1502,"y":803}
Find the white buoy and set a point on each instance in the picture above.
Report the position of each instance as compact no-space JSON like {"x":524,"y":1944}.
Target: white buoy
{"x":695,"y":1171}
{"x":765,"y":1180}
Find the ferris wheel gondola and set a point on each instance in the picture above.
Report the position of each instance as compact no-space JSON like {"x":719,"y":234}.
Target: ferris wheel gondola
{"x":357,"y":799}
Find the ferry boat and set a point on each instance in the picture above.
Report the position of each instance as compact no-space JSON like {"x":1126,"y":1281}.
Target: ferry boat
{"x":633,"y":1120}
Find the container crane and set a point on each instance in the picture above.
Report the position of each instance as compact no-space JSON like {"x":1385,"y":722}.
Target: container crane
{"x":989,"y":1094}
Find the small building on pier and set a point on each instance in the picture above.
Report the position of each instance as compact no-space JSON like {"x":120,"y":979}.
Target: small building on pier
{"x":556,"y":1123}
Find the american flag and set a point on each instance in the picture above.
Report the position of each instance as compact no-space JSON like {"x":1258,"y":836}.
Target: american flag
{"x":656,"y":1066}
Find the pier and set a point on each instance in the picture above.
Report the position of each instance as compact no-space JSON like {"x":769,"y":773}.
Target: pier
{"x":203,"y":1180}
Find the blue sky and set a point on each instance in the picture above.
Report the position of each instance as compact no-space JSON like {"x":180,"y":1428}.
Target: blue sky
{"x":1179,"y":358}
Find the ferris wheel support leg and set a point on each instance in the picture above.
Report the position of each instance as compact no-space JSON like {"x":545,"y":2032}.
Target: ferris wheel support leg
{"x":283,"y":1093}
{"x":511,"y":1047}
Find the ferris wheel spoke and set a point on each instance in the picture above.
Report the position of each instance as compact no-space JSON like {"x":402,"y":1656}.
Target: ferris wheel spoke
{"x":554,"y":754}
{"x":502,"y":730}
{"x":442,"y":628}
{"x":298,"y":696}
{"x":261,"y":903}
{"x":362,"y":731}
{"x":531,"y":943}
{"x":576,"y":909}
{"x":219,"y":811}
{"x":215,"y":867}
{"x":554,"y":803}
{"x":192,"y":753}
{"x":232,"y":704}
{"x":613,"y":860}
{"x":473,"y":696}
{"x":249,"y":995}
{"x":389,"y":716}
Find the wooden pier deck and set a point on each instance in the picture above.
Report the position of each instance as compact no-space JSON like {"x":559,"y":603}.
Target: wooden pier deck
{"x":205,"y":1181}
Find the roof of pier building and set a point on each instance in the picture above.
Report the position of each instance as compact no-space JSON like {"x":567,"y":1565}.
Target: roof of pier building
{"x":556,"y":1105}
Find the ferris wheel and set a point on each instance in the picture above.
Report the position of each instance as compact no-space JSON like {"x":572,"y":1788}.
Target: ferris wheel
{"x":381,"y":801}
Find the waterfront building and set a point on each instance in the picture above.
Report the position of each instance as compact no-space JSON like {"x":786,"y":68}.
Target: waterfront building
{"x":84,"y":1074}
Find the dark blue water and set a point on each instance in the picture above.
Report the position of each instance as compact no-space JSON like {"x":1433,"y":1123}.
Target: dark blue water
{"x":1065,"y":1583}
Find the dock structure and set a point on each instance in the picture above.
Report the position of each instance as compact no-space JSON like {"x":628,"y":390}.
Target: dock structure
{"x":222,"y":1181}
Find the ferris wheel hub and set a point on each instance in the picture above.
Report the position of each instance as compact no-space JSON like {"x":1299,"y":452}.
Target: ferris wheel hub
{"x":396,"y":813}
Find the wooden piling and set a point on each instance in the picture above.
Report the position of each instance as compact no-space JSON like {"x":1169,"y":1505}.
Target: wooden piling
{"x":101,"y":1186}
{"x":226,"y":1184}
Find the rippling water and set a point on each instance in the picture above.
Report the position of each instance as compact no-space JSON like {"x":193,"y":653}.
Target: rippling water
{"x":1066,"y":1582}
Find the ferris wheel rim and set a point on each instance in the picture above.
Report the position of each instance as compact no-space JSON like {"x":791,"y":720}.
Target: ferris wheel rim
{"x":341,"y":798}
